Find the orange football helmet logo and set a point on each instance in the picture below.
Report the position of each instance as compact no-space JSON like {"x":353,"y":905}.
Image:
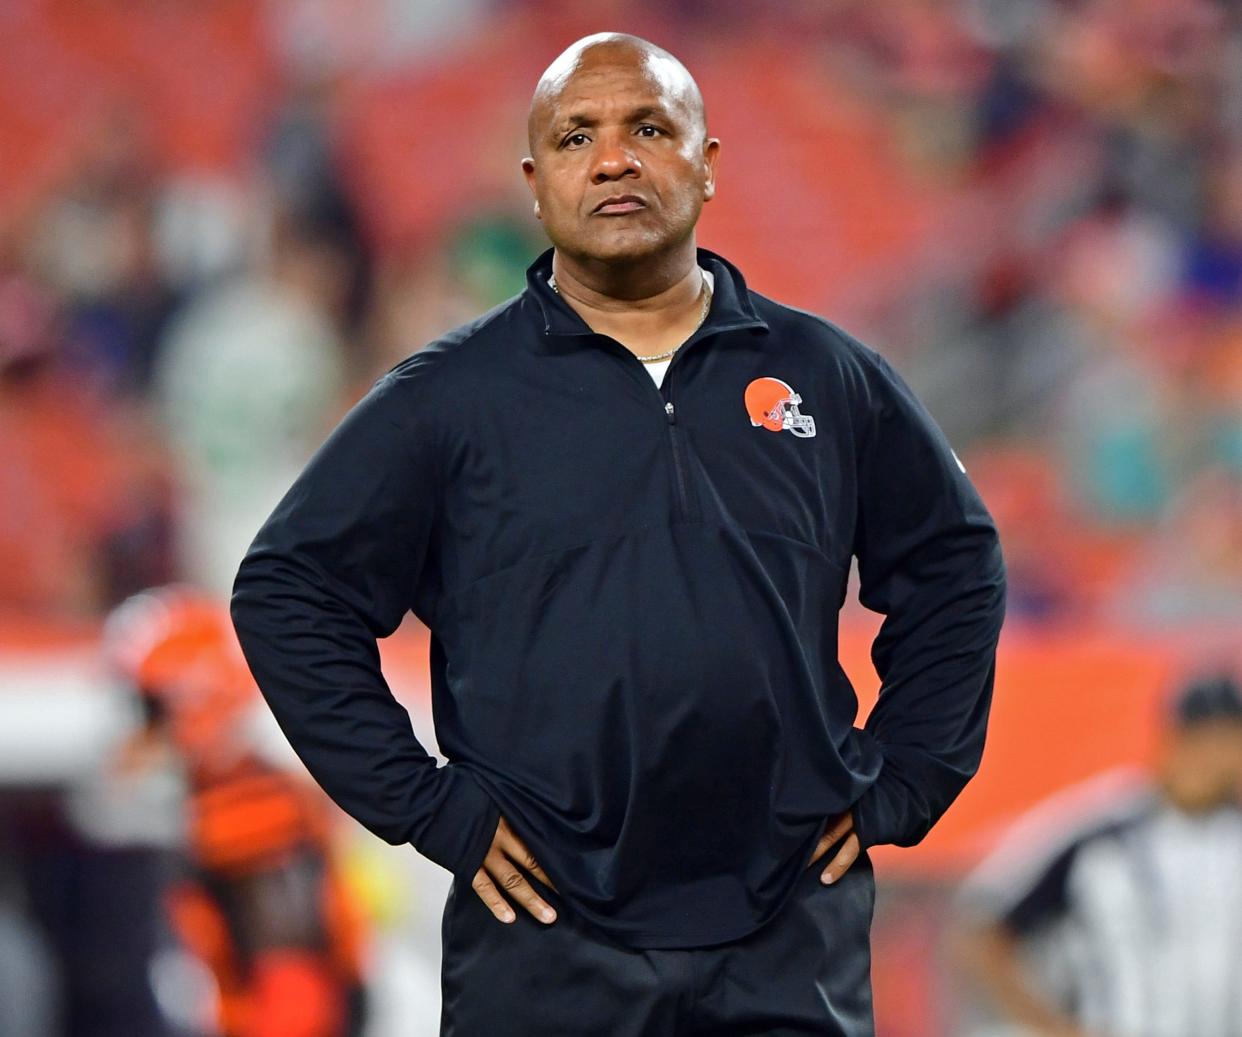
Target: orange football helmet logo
{"x":774,"y":405}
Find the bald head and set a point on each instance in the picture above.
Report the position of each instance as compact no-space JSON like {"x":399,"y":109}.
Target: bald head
{"x":668,"y":77}
{"x":620,"y":163}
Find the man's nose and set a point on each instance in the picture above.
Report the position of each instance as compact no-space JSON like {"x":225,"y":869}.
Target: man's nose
{"x":614,"y":159}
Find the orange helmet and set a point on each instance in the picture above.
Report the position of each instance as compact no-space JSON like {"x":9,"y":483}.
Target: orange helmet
{"x":774,"y":405}
{"x":177,"y":648}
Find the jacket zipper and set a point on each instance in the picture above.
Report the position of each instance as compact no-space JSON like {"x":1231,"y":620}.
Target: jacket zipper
{"x":678,"y":466}
{"x":670,"y":420}
{"x":670,"y":415}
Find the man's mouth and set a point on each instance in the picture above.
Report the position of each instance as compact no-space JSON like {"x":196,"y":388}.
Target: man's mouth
{"x":619,"y":205}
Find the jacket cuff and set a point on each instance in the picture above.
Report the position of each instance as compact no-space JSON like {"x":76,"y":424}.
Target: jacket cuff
{"x":876,"y":819}
{"x":461,"y":832}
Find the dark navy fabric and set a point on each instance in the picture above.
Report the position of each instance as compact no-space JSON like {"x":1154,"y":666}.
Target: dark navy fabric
{"x":807,"y":971}
{"x":633,"y":596}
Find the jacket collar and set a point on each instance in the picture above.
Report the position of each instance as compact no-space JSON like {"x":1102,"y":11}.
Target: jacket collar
{"x":731,"y":306}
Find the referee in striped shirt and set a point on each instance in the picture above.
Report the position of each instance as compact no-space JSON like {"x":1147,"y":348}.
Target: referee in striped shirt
{"x":1115,"y":909}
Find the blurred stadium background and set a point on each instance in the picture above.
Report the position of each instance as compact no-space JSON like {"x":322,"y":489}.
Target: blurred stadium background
{"x":220,"y":221}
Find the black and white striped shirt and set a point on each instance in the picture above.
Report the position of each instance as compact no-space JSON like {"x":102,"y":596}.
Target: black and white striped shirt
{"x":1130,"y":910}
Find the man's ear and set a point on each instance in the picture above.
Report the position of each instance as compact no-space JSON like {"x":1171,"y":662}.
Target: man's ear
{"x":711,"y":153}
{"x":528,"y":170}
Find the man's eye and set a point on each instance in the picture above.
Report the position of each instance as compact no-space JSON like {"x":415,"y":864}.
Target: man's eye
{"x":574,"y":140}
{"x":649,"y":131}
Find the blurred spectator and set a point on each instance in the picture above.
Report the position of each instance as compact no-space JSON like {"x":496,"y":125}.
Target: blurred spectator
{"x":95,"y":246}
{"x":303,"y":179}
{"x":250,"y":378}
{"x":1191,"y":573}
{"x":1027,"y":503}
{"x":1116,"y":267}
{"x":84,"y":498}
{"x":1114,"y":910}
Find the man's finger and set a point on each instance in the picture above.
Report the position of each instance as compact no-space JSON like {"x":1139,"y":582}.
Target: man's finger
{"x":836,"y":831}
{"x":841,"y":863}
{"x":490,"y":895}
{"x":518,"y":852}
{"x":515,"y":886}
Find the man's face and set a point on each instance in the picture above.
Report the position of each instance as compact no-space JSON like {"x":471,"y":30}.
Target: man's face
{"x":1203,"y":764}
{"x":619,"y":167}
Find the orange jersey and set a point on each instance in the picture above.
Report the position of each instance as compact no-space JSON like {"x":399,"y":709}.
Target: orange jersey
{"x":266,"y":909}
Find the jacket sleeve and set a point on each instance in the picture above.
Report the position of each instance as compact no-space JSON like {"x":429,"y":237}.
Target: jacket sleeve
{"x":335,"y":567}
{"x":929,"y":561}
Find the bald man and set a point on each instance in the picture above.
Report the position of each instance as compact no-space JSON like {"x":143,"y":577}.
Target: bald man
{"x":625,"y":503}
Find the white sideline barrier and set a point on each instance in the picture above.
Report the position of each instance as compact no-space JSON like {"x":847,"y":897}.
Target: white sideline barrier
{"x":59,"y":717}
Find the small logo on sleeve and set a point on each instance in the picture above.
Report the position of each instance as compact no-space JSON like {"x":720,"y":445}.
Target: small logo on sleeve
{"x":774,"y":405}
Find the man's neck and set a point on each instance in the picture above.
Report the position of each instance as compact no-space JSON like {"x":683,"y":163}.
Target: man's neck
{"x":649,"y":308}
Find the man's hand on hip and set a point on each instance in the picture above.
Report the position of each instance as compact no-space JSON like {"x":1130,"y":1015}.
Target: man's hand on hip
{"x":500,"y":872}
{"x":839,"y":827}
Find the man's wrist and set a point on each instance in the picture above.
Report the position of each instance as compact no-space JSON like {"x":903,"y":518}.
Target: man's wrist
{"x":458,"y":837}
{"x":872,"y":815}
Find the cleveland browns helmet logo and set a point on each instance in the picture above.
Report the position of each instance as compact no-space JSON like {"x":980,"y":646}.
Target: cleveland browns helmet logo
{"x":774,"y":405}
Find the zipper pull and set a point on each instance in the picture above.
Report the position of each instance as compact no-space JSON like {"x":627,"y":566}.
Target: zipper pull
{"x":668,"y":409}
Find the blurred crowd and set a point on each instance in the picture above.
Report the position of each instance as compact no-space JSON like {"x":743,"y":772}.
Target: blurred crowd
{"x":1040,"y":214}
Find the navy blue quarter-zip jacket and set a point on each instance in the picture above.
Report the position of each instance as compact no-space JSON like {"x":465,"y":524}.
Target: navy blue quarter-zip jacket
{"x":633,"y":594}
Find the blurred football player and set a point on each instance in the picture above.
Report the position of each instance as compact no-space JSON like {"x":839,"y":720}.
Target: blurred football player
{"x":262,"y":904}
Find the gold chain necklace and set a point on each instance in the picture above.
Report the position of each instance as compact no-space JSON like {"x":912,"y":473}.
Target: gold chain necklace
{"x":657,"y":357}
